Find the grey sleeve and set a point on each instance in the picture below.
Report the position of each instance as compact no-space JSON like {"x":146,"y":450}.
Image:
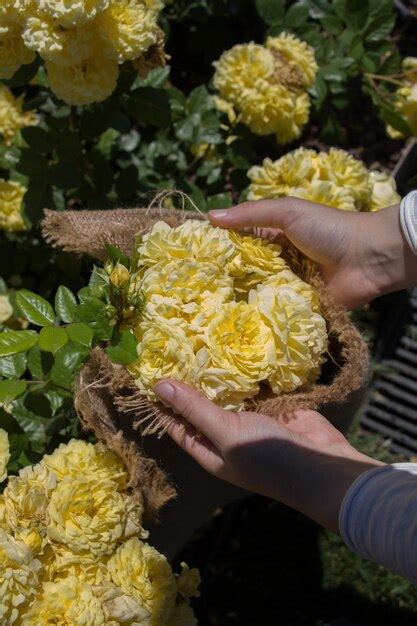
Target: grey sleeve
{"x":378,"y":518}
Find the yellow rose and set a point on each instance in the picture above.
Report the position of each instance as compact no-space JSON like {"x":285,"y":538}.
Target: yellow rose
{"x":69,"y":13}
{"x":4,"y":454}
{"x":6,"y":309}
{"x":188,"y":582}
{"x":339,"y":167}
{"x":145,"y":575}
{"x":19,"y":577}
{"x":80,"y":457}
{"x":128,"y":28}
{"x":239,"y":353}
{"x":405,"y":101}
{"x":194,"y":285}
{"x":254,"y":261}
{"x":300,"y":336}
{"x":274,"y":179}
{"x":58,"y":45}
{"x":13,"y":53}
{"x":92,"y":80}
{"x":265,"y":87}
{"x":225,"y":107}
{"x":11,"y":203}
{"x":26,"y":499}
{"x":165,"y":351}
{"x":297,"y":58}
{"x":286,"y":277}
{"x":12,"y":118}
{"x":68,"y":601}
{"x":328,"y":193}
{"x":87,"y":514}
{"x":59,"y":563}
{"x":384,"y":191}
{"x":194,"y":239}
{"x":120,"y":276}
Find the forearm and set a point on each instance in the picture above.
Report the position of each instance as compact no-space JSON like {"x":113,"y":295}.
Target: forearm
{"x":378,"y":518}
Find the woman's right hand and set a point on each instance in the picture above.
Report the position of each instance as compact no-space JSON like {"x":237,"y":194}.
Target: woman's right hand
{"x":360,"y":255}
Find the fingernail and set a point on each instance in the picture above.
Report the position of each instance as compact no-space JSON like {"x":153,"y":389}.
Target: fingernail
{"x":219,"y":214}
{"x":165,"y":391}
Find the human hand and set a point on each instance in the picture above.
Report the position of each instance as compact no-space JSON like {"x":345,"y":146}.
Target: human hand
{"x":360,"y":255}
{"x":301,"y":460}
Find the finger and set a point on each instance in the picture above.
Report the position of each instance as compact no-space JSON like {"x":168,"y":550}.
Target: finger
{"x":197,"y":446}
{"x":204,"y":415}
{"x":263,"y":213}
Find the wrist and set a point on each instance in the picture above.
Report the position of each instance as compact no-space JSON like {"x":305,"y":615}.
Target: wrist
{"x":387,"y":259}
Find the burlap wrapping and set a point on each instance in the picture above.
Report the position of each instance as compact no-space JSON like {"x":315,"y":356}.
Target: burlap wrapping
{"x":87,"y":232}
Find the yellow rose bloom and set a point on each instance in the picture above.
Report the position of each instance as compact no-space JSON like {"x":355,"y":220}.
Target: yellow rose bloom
{"x":275,"y":179}
{"x":334,"y":178}
{"x":254,"y":261}
{"x":341,"y":168}
{"x":11,"y":203}
{"x":92,"y":80}
{"x":197,"y":239}
{"x":87,"y":515}
{"x":191,"y":283}
{"x":299,"y":333}
{"x":328,"y":193}
{"x":13,"y":53}
{"x":4,"y":454}
{"x":68,"y":601}
{"x":26,"y":499}
{"x":286,"y":277}
{"x":225,"y":107}
{"x":19,"y":577}
{"x":297,"y":58}
{"x":128,"y":28}
{"x":59,"y":563}
{"x":60,"y":46}
{"x":80,"y":457}
{"x":69,"y":13}
{"x":145,"y":574}
{"x":266,"y":86}
{"x":239,"y":353}
{"x":384,"y":191}
{"x":12,"y":118}
{"x":188,"y":582}
{"x":405,"y":99}
{"x":164,"y":351}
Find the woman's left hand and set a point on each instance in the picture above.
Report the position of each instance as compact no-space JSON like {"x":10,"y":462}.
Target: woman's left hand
{"x":299,"y":459}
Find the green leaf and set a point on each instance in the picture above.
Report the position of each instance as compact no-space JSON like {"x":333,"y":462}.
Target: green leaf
{"x":92,"y":312}
{"x":13,"y":366}
{"x":219,"y":201}
{"x":38,"y":139}
{"x":124,"y":350}
{"x":68,"y":361}
{"x":65,"y":304}
{"x":35,"y":309}
{"x":296,"y":15}
{"x":38,"y":404}
{"x":52,"y":338}
{"x":17,"y":341}
{"x":394,"y":119}
{"x":39,"y":363}
{"x":117,"y":255}
{"x":11,"y":389}
{"x":80,"y":333}
{"x":150,"y":106}
{"x":271,"y":11}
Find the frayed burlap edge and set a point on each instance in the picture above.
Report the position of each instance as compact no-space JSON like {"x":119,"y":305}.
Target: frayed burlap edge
{"x":89,"y":231}
{"x":94,"y":390}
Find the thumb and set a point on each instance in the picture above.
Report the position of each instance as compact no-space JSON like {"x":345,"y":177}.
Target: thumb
{"x":277,"y":214}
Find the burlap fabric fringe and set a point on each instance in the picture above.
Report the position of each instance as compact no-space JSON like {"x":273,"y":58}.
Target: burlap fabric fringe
{"x":88,"y":231}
